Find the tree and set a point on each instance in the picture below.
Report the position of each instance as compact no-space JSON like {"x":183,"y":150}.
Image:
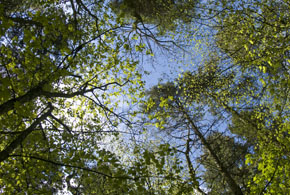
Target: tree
{"x":166,"y":14}
{"x":246,"y":80}
{"x":182,"y":111}
{"x":63,"y":65}
{"x":232,"y":154}
{"x":255,"y":37}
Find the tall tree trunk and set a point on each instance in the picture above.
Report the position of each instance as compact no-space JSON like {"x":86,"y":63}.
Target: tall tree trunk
{"x":231,"y":182}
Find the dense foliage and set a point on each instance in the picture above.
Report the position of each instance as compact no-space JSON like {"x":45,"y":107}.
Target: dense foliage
{"x":76,"y":116}
{"x":63,"y":68}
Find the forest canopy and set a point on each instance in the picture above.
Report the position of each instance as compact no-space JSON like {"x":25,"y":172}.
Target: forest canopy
{"x":79,"y":115}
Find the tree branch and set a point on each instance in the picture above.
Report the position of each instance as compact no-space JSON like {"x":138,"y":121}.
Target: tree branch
{"x":71,"y":166}
{"x":30,"y":95}
{"x":4,"y":154}
{"x":23,"y":21}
